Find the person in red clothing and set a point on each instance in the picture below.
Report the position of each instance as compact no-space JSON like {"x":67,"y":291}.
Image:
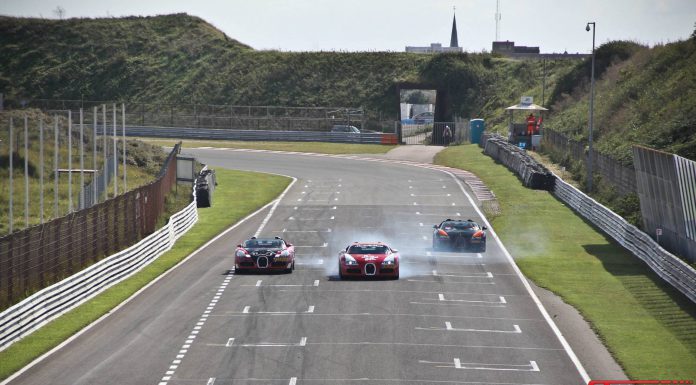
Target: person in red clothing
{"x":531,"y":124}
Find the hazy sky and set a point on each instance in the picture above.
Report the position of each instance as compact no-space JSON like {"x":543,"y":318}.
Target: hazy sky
{"x":364,"y":25}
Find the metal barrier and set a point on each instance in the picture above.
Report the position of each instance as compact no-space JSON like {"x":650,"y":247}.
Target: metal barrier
{"x":55,"y":300}
{"x":254,"y":135}
{"x":670,"y":268}
{"x":667,"y":266}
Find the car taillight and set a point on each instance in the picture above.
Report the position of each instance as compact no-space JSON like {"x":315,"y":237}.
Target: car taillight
{"x":442,"y":233}
{"x":478,"y":234}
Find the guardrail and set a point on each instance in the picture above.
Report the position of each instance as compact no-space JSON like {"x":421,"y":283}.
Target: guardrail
{"x":255,"y":135}
{"x":667,"y":266}
{"x":670,"y":268}
{"x":57,"y":299}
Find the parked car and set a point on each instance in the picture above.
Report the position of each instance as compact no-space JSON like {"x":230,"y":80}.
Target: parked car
{"x":345,"y":128}
{"x":424,"y":118}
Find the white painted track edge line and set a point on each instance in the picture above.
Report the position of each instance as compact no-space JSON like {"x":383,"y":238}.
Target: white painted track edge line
{"x":275,"y":205}
{"x":523,"y":279}
{"x":133,"y":296}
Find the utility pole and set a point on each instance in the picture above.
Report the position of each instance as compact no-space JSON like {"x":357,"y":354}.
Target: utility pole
{"x":498,"y":16}
{"x":70,"y":206}
{"x":591,"y":123}
{"x":55,"y":167}
{"x":123,"y":121}
{"x":82,"y":161}
{"x":26,"y":171}
{"x":41,"y":170}
{"x":95,"y":114}
{"x":11,"y":151}
{"x":115,"y":155}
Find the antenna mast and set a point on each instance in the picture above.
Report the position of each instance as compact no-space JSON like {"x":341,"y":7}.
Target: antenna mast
{"x":497,"y":20}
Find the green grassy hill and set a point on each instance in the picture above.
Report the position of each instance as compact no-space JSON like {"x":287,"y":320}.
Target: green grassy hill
{"x":644,"y":95}
{"x":182,"y":59}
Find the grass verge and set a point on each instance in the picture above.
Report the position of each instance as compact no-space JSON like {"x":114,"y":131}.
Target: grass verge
{"x":646,"y":324}
{"x":232,"y":202}
{"x":317,"y":147}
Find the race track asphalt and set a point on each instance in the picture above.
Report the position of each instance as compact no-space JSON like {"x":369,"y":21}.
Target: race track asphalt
{"x":452,"y":318}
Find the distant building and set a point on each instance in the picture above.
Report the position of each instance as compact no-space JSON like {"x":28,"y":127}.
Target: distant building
{"x":437,"y":47}
{"x":509,"y":47}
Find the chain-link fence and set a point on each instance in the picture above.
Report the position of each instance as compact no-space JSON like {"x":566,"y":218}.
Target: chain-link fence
{"x":34,"y":258}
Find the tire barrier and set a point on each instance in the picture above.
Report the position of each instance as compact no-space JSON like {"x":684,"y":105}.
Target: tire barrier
{"x":533,"y":174}
{"x":205,"y":186}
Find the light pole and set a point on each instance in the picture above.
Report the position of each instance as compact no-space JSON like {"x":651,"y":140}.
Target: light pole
{"x":589,"y":155}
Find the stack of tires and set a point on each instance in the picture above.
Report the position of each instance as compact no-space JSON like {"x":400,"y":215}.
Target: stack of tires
{"x":205,"y":185}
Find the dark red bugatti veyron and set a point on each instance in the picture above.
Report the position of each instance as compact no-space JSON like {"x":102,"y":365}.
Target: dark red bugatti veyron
{"x":264,"y":254}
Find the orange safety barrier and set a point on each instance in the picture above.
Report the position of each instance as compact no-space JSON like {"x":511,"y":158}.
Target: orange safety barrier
{"x":390,"y":139}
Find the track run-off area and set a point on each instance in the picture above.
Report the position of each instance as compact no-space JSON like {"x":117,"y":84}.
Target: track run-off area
{"x":451,"y":318}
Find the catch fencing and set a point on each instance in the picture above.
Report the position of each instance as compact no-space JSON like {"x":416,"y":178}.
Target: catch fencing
{"x":90,"y":193}
{"x":55,"y":300}
{"x":667,"y":192}
{"x":38,"y":256}
{"x":667,"y":266}
{"x":622,"y":177}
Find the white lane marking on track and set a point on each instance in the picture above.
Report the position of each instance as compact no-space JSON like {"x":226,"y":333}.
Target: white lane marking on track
{"x":448,"y":327}
{"x":258,"y":283}
{"x":566,"y":346}
{"x":273,"y":208}
{"x":310,"y":309}
{"x":229,"y":343}
{"x":211,"y":381}
{"x":456,"y":363}
{"x":293,"y":381}
{"x":475,"y":275}
{"x":265,"y":344}
{"x":316,"y":283}
{"x":441,"y":297}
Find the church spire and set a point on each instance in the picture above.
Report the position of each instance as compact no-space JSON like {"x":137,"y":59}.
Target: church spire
{"x":453,"y":40}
